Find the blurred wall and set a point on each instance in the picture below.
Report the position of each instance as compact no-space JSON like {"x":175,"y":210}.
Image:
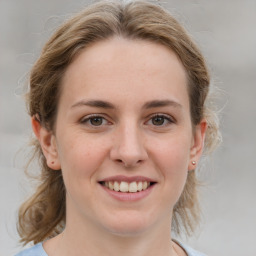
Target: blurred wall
{"x":225,"y":32}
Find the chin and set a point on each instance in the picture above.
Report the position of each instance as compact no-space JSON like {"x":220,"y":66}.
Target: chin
{"x":129,"y":225}
{"x":127,"y":231}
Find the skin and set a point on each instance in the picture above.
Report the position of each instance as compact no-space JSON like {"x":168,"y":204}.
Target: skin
{"x":129,"y":141}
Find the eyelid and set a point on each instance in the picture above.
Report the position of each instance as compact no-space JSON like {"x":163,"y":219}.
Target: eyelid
{"x":86,"y":118}
{"x":168,"y":117}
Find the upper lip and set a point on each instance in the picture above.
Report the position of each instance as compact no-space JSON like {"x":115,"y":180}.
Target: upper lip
{"x":127,"y":179}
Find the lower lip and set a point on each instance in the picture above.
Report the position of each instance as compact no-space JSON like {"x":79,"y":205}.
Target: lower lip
{"x":122,"y":196}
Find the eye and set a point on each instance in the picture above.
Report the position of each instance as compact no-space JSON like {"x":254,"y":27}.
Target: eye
{"x":94,"y":120}
{"x":160,"y":120}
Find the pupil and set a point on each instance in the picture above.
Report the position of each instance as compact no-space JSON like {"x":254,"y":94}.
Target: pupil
{"x":158,"y":120}
{"x":96,"y":121}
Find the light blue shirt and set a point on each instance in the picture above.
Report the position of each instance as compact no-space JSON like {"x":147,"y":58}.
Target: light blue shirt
{"x":38,"y":250}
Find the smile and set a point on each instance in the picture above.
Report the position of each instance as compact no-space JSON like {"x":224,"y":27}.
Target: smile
{"x":125,"y":187}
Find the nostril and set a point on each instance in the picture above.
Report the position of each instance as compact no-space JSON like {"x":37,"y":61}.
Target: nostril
{"x":128,"y":162}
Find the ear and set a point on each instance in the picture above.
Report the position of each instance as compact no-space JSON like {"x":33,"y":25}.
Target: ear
{"x":48,"y":144}
{"x":197,"y":144}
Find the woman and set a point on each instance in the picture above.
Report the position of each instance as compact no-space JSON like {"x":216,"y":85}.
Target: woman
{"x":117,"y":103}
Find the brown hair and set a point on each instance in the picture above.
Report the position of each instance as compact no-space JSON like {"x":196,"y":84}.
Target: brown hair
{"x":43,"y":214}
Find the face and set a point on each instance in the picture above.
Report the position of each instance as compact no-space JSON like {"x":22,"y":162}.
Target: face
{"x":123,"y":139}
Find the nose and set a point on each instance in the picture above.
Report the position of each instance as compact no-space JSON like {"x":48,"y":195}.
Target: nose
{"x":128,"y":148}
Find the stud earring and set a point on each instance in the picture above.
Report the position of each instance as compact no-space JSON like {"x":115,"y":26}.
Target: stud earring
{"x":194,"y":162}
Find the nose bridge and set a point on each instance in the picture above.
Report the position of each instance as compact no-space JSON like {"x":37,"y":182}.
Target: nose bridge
{"x":128,"y":147}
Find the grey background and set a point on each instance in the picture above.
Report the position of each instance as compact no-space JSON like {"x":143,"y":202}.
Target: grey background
{"x":225,"y":31}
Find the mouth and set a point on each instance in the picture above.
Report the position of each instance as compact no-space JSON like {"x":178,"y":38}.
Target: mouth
{"x":127,"y":187}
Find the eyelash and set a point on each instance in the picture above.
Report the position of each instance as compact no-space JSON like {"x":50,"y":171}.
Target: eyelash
{"x":89,"y":118}
{"x":167,"y":118}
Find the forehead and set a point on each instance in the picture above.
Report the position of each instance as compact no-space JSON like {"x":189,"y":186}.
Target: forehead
{"x":125,"y":68}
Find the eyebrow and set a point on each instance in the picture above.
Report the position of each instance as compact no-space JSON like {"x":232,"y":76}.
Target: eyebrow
{"x":94,"y":103}
{"x":108,"y":105}
{"x":161,"y":103}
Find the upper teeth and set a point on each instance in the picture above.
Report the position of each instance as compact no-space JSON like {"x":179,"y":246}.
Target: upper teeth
{"x":124,"y":186}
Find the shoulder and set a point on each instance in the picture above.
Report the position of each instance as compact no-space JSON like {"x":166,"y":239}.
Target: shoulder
{"x":36,"y":250}
{"x":190,"y":251}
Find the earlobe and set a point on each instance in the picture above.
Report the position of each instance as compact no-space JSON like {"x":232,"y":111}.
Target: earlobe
{"x":197,"y":144}
{"x":48,"y":144}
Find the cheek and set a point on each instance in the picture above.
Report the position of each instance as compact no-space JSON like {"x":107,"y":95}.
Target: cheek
{"x":175,"y":168}
{"x":172,"y":159}
{"x":173,"y":154}
{"x":80,"y":157}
